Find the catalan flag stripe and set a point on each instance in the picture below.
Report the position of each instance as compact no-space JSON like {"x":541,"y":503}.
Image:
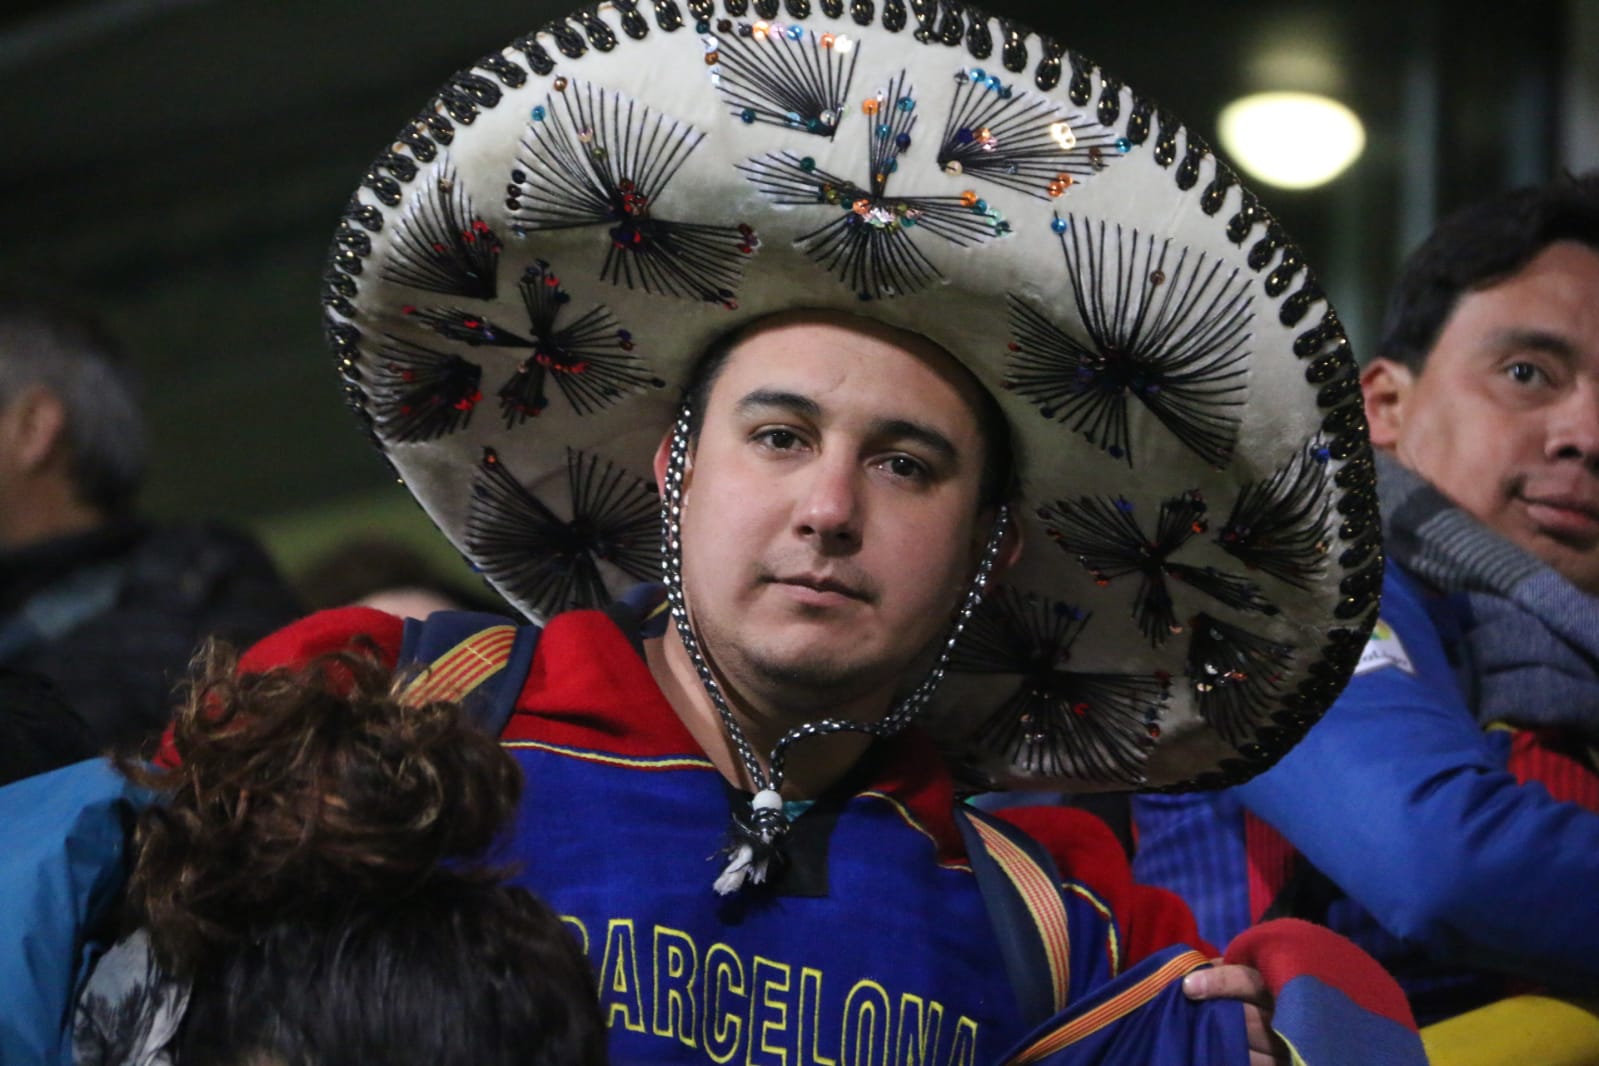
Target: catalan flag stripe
{"x":463,"y":668}
{"x":1113,"y":1009}
{"x":1043,"y":901}
{"x":467,"y":665}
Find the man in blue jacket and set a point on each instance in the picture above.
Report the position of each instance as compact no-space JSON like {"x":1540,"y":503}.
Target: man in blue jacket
{"x":1436,"y":814}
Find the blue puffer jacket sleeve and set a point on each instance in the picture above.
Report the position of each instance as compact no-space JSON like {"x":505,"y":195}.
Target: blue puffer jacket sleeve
{"x":1402,"y":800}
{"x":63,"y":839}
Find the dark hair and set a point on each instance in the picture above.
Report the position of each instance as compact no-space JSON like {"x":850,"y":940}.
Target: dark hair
{"x":66,"y":350}
{"x":998,"y":482}
{"x":320,"y":874}
{"x":453,"y":975}
{"x":1477,"y":247}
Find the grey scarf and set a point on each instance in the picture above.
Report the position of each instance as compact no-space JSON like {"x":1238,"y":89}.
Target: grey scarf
{"x":1532,"y":637}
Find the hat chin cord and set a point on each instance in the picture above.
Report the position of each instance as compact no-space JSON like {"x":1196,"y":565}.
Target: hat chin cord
{"x":756,"y":835}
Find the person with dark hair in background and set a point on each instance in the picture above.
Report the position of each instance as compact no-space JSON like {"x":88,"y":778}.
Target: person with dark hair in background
{"x":1445,"y":812}
{"x":108,"y":607}
{"x":315,"y":888}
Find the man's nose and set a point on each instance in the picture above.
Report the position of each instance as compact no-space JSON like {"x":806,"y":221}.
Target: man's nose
{"x":829,"y":508}
{"x":1574,"y":429}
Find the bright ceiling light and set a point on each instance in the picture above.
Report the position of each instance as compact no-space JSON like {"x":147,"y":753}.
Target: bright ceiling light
{"x":1293,"y":140}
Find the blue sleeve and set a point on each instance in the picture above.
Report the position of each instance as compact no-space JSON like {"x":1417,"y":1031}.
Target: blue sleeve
{"x":63,"y":837}
{"x":1406,"y":804}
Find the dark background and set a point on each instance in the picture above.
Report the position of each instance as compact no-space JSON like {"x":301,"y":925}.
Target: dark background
{"x":181,"y":164}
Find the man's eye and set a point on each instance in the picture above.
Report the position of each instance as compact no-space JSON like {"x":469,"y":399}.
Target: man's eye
{"x":780,"y":439}
{"x":904,"y":466}
{"x":1524,"y":373}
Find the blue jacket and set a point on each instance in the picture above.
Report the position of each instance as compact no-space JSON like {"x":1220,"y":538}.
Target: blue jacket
{"x":1452,"y":868}
{"x":62,"y":835}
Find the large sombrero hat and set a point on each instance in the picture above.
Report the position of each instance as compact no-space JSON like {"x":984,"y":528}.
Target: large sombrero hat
{"x":522,"y":283}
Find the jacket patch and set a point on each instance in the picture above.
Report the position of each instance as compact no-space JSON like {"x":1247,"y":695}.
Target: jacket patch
{"x":1383,"y":649}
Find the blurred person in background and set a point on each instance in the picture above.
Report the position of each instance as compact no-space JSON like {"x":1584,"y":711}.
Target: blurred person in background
{"x":372,"y":570}
{"x":38,"y":730}
{"x":107,"y":606}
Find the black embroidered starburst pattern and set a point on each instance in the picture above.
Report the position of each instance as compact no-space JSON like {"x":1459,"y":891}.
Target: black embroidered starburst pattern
{"x":443,"y":245}
{"x":1105,"y":536}
{"x":552,"y":564}
{"x":595,"y":158}
{"x":1279,"y":524}
{"x":870,"y":244}
{"x":1058,"y":722}
{"x":1020,"y":140}
{"x":1235,"y":675}
{"x":789,"y":77}
{"x":1166,"y":326}
{"x":417,"y":393}
{"x":591,"y":360}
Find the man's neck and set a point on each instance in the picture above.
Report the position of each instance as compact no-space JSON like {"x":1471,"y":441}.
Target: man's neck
{"x":44,"y":510}
{"x":810,"y":766}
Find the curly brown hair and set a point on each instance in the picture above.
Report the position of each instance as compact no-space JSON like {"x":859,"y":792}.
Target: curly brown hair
{"x":299,"y":788}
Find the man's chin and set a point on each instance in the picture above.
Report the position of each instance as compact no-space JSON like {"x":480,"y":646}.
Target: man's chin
{"x":815,"y":678}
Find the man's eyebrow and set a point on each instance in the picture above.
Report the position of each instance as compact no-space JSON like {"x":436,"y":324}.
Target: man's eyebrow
{"x":927,"y":436}
{"x":1537,"y":340}
{"x":788,"y":401}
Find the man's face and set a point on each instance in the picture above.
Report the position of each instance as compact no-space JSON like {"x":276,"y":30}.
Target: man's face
{"x":1504,"y":416}
{"x":830,"y":519}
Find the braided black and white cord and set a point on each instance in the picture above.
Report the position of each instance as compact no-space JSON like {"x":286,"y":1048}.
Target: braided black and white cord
{"x":756,"y":835}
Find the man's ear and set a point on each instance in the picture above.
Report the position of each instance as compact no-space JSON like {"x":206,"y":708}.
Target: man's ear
{"x":1386,"y":386}
{"x":1010,"y":545}
{"x":33,"y":428}
{"x":663,"y":458}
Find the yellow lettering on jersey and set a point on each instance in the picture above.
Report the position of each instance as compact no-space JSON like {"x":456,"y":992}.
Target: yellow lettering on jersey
{"x":580,"y":929}
{"x":724,"y":1021}
{"x":918,"y":1028}
{"x":810,"y":1019}
{"x":676,"y":972}
{"x":865,"y":1037}
{"x":619,"y":985}
{"x":769,"y":1013}
{"x":964,"y":1053}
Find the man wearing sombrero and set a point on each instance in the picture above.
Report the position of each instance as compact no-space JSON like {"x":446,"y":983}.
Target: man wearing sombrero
{"x":939,"y":378}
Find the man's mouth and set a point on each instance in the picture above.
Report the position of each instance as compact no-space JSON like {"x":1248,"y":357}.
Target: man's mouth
{"x":823,"y":587}
{"x":1565,"y":516}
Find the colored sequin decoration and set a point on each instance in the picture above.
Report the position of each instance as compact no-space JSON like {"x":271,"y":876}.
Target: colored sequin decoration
{"x":1057,"y":722}
{"x":1236,"y":677}
{"x":416,"y":393}
{"x":1180,"y":349}
{"x":1280,"y":524}
{"x":442,"y":245}
{"x":1105,"y":536}
{"x":590,"y":361}
{"x":545,"y":563}
{"x":790,"y":79}
{"x":1023,"y":142}
{"x":868,"y":244}
{"x":601,"y":159}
